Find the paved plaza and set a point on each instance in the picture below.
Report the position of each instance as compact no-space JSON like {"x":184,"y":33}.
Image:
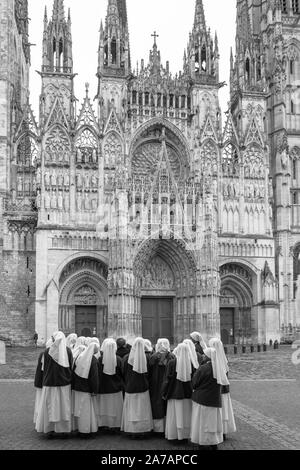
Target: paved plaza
{"x":265,"y":390}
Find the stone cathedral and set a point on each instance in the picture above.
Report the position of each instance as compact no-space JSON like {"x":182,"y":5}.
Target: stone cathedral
{"x":144,"y":211}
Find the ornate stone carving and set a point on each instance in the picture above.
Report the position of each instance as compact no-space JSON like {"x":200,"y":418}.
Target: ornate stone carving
{"x":83,"y":264}
{"x":158,"y":275}
{"x":86,"y":295}
{"x":236,"y":270}
{"x":57,"y":147}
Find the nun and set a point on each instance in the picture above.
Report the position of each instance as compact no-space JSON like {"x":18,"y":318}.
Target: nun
{"x":206,"y":425}
{"x":71,"y":341}
{"x":54,"y":410}
{"x":157,"y":368}
{"x":229,"y":425}
{"x":148,"y":348}
{"x":122,"y":348}
{"x":110,"y":397}
{"x":38,"y":380}
{"x":177,"y":392}
{"x":85,"y":386}
{"x":196,"y":358}
{"x":198,"y":341}
{"x":137,"y":414}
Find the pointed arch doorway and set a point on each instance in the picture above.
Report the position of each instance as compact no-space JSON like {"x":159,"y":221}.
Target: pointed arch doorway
{"x":237,"y":314}
{"x":83,"y":298}
{"x":167,"y":294}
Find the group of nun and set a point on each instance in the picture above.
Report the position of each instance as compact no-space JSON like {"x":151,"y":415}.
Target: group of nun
{"x":183,"y":395}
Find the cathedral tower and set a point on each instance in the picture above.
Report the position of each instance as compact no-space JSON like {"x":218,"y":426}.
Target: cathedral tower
{"x":114,"y":65}
{"x":18,"y":153}
{"x":57,"y":63}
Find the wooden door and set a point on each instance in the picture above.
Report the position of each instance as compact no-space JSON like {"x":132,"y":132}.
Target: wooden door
{"x":157,"y":319}
{"x":227,"y":325}
{"x":86,"y":321}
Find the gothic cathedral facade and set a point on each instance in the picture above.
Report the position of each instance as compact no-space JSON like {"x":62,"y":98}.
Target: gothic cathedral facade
{"x":145,"y":214}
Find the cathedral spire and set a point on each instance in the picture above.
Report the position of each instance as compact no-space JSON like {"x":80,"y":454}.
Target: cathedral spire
{"x":57,"y":41}
{"x":199,"y":23}
{"x":114,"y":50}
{"x":203,"y":49}
{"x":58,"y":14}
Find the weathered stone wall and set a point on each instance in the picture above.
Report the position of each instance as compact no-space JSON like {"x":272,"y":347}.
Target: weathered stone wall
{"x":17,"y":296}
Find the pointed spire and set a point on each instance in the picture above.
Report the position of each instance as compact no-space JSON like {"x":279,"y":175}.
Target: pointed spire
{"x":58,"y":10}
{"x":122,"y":7}
{"x":199,"y":23}
{"x":216,"y":43}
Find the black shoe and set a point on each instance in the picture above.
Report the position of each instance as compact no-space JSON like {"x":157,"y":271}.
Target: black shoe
{"x":214,"y":448}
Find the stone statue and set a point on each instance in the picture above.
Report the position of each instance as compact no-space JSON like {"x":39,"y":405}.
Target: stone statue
{"x":94,"y":156}
{"x":284,"y":159}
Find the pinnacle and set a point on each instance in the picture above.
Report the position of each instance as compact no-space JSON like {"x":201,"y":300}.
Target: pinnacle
{"x":58,"y":10}
{"x":199,"y":16}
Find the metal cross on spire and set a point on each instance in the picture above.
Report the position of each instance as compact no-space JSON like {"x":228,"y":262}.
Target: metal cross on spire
{"x":155,"y":35}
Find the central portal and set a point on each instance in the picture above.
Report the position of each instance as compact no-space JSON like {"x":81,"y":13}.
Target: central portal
{"x":85,"y":321}
{"x":157,"y":318}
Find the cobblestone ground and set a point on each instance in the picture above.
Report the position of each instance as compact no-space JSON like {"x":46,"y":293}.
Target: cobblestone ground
{"x":265,"y":390}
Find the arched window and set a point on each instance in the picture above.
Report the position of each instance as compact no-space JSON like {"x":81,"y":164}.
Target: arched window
{"x":291,"y":67}
{"x":87,"y":148}
{"x":258,"y":69}
{"x":61,"y":50}
{"x":292,"y":107}
{"x":247,"y":69}
{"x":113,"y":51}
{"x":203,"y":59}
{"x":106,"y":54}
{"x":230,"y":161}
{"x":295,"y":6}
{"x":54,"y":51}
{"x":134,"y":97}
{"x":197,"y":62}
{"x":284,"y":6}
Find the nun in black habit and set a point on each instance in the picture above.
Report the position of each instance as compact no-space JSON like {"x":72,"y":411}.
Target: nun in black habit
{"x":157,"y":368}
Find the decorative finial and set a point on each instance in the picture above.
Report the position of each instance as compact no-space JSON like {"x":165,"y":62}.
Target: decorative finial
{"x":87,"y":86}
{"x":154,"y":35}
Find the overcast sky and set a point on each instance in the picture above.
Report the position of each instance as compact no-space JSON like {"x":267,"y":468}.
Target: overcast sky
{"x":172,"y":19}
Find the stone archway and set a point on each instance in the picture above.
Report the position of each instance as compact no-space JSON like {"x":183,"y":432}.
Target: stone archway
{"x":83,"y":297}
{"x":237,"y":314}
{"x":167,"y":300}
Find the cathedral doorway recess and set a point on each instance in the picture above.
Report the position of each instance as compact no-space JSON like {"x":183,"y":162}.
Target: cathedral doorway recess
{"x":157,"y":319}
{"x":86,"y":321}
{"x":227,"y":325}
{"x":237,"y":313}
{"x":83,"y":298}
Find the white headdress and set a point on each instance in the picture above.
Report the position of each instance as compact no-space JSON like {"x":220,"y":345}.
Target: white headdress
{"x":58,"y":350}
{"x":183,"y":363}
{"x":71,"y":340}
{"x":148,"y":345}
{"x":193,"y":354}
{"x":137,"y":357}
{"x":196,"y":336}
{"x":84,"y":361}
{"x":218,"y":345}
{"x":218,"y":369}
{"x":109,"y":350}
{"x":162,"y":345}
{"x":77,"y":351}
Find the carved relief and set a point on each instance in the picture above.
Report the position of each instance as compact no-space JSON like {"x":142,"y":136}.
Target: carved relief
{"x":112,"y":150}
{"x":83,"y":264}
{"x":158,"y":275}
{"x":234,"y":269}
{"x":57,"y":147}
{"x":86,"y":295}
